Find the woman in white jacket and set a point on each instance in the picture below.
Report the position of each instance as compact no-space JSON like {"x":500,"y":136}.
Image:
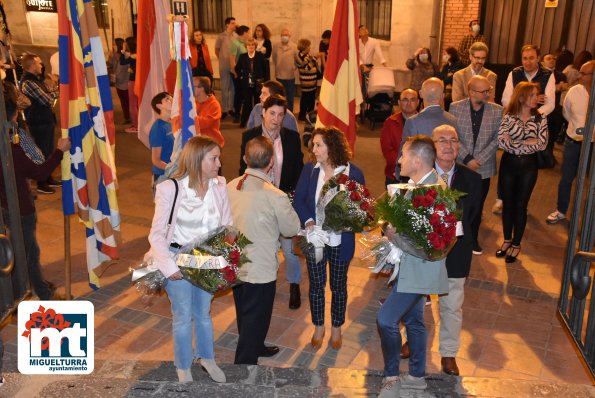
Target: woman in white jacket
{"x":191,"y":204}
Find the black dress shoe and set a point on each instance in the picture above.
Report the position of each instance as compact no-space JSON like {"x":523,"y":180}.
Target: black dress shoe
{"x":269,"y":351}
{"x":295,"y":300}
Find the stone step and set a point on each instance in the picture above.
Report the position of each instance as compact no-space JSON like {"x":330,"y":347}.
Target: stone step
{"x":156,"y":379}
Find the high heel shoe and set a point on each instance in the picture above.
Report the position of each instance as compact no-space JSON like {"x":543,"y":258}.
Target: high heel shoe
{"x":504,"y":248}
{"x":336,"y":339}
{"x":512,"y":253}
{"x":317,"y":337}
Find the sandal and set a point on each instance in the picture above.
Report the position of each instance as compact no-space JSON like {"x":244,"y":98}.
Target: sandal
{"x":504,"y":248}
{"x":512,"y":253}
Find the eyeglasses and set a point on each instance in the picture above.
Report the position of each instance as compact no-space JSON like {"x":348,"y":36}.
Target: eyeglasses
{"x":484,"y":92}
{"x":442,"y":141}
{"x":479,"y":58}
{"x":408,"y":100}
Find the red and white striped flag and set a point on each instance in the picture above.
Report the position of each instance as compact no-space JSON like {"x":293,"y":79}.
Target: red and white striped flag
{"x":155,"y":70}
{"x":341,"y":94}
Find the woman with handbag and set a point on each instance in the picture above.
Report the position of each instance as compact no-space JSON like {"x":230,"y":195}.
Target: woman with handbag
{"x":190,"y":204}
{"x":522,"y":134}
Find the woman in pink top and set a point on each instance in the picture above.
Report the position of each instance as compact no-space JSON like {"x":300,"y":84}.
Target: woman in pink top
{"x":196,"y":200}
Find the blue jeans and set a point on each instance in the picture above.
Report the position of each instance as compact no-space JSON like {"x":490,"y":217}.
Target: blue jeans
{"x":409,"y":308}
{"x":289,"y":86}
{"x":572,"y":153}
{"x":293,"y":267}
{"x":190,"y":303}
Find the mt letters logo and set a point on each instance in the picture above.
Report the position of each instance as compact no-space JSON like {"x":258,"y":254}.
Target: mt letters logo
{"x":56,"y":337}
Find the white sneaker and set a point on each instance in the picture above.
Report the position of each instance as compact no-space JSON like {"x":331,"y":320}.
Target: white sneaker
{"x":184,"y":375}
{"x":415,"y":383}
{"x":390,"y":387}
{"x":213,"y":370}
{"x":497,"y":208}
{"x":555,"y":217}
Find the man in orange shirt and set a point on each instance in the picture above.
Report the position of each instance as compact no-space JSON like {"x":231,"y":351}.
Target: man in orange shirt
{"x":208,"y":110}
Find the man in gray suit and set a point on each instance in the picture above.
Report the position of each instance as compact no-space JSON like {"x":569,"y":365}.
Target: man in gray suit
{"x":432,"y":116}
{"x":478,"y":121}
{"x":416,"y":278}
{"x":478,"y":54}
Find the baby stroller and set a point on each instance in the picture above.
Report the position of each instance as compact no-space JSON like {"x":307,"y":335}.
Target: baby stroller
{"x":378,"y":101}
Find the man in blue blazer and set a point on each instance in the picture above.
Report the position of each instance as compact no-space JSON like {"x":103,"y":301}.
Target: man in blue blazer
{"x":285,"y":174}
{"x":432,"y":116}
{"x":416,"y":279}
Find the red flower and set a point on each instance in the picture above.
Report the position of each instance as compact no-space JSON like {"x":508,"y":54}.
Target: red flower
{"x":370,"y":216}
{"x":228,"y":274}
{"x":432,"y":193}
{"x":342,"y":179}
{"x":366,"y":192}
{"x":435,"y":219}
{"x":355,"y":196}
{"x":417,"y":201}
{"x":428,"y":200}
{"x":450,"y":218}
{"x":352,"y":185}
{"x":234,"y":257}
{"x":364,"y":206}
{"x":440,"y":207}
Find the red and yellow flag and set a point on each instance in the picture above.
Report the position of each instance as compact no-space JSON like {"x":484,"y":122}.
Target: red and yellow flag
{"x":341,"y":94}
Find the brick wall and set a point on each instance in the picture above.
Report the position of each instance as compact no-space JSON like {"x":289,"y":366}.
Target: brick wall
{"x":457,"y":16}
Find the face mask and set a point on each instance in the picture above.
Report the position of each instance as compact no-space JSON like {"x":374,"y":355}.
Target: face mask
{"x":284,"y":39}
{"x":475,"y":28}
{"x":423,"y":57}
{"x":445,"y":58}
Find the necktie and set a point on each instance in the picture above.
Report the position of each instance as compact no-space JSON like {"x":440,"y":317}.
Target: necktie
{"x":445,"y":178}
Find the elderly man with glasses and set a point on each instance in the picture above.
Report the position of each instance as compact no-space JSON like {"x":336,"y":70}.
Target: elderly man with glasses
{"x":478,"y":121}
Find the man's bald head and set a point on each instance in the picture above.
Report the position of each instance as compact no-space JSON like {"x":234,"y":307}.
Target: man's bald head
{"x":259,"y":152}
{"x":432,"y":91}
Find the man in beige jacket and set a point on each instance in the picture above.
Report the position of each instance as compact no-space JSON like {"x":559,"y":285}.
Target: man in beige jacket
{"x":262,"y":212}
{"x":478,"y":55}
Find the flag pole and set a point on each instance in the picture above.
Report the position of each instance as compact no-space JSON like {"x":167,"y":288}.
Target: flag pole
{"x":67,"y":258}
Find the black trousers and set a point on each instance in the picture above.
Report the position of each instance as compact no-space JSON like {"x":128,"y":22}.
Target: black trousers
{"x":251,"y":98}
{"x":254,"y":308}
{"x":476,"y":222}
{"x":238,"y":97}
{"x":518,"y":175}
{"x":43,"y":134}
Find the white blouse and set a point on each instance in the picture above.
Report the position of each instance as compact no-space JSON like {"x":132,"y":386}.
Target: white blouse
{"x":196,"y":216}
{"x":334,"y":238}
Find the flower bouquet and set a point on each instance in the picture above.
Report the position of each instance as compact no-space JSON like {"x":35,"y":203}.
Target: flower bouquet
{"x":344,"y":205}
{"x":211,"y":262}
{"x":425,"y":220}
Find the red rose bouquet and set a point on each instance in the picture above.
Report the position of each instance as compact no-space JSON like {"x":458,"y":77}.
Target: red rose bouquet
{"x":211,"y":262}
{"x":344,"y":205}
{"x":425,"y":219}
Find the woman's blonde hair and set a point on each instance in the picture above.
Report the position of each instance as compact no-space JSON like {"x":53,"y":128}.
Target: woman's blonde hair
{"x":521,"y":93}
{"x":190,"y":162}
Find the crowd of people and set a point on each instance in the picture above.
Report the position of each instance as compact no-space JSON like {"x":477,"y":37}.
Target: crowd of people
{"x":451,"y":140}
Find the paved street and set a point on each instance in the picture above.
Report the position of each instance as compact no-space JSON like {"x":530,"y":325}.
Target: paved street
{"x":510,"y":329}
